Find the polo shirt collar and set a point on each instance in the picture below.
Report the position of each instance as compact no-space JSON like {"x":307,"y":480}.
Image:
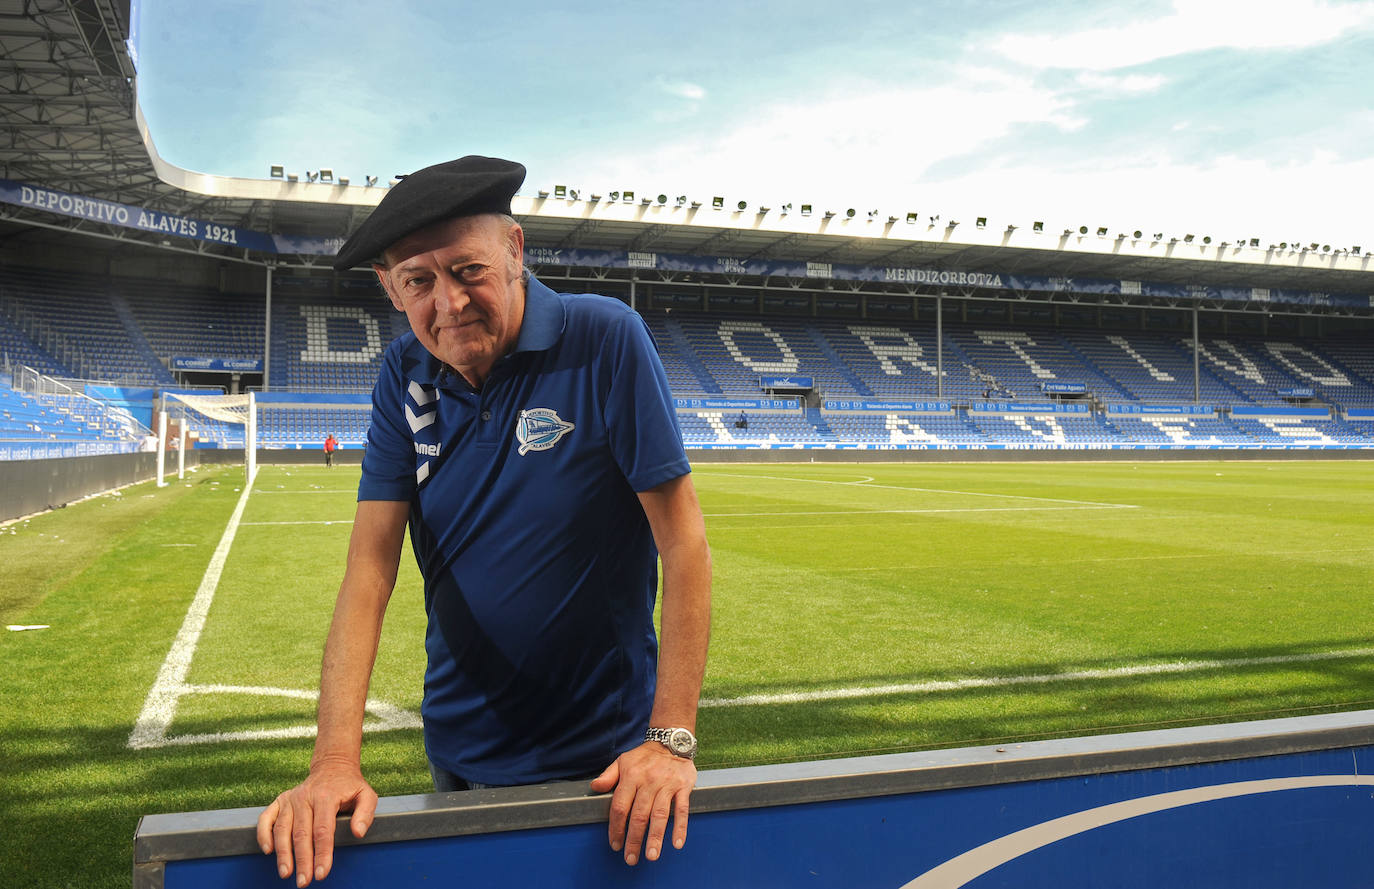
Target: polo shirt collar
{"x":544,"y":319}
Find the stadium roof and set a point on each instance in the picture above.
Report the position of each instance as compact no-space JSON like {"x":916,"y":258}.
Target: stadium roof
{"x":73,"y":125}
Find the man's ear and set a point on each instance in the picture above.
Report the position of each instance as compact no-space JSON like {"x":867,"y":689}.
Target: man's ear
{"x":515,"y":240}
{"x":385,"y":280}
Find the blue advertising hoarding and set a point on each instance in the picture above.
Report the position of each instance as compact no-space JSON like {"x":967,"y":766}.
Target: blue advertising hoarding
{"x":1282,"y":802}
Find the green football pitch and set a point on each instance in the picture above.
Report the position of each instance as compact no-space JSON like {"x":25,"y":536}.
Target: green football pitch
{"x":172,"y":636}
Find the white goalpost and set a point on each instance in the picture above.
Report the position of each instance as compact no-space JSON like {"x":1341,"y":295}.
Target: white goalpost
{"x":212,"y":418}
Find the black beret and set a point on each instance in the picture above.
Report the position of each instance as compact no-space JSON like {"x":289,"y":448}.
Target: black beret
{"x":466,"y":187}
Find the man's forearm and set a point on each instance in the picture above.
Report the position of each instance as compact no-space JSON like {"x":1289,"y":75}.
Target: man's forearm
{"x":685,"y":632}
{"x":346,"y":672}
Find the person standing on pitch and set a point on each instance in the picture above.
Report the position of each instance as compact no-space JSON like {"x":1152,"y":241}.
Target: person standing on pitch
{"x":529,"y":440}
{"x":330,"y":445}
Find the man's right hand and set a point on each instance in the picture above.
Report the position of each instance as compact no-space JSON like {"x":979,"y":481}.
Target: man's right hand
{"x":299,"y":824}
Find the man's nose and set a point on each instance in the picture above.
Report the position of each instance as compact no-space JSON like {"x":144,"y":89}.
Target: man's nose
{"x":450,"y":296}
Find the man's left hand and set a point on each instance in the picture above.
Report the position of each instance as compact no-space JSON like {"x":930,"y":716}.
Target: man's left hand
{"x":650,"y":784}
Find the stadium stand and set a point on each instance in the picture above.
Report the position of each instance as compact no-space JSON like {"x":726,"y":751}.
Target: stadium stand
{"x":1017,"y":386}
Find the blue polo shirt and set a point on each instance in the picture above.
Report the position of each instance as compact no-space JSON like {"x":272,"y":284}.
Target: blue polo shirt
{"x":539,"y":566}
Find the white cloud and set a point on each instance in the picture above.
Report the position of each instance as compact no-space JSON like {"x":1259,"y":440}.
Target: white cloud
{"x":1135,"y":84}
{"x":682,"y":89}
{"x":857,"y":140}
{"x":1191,"y":26}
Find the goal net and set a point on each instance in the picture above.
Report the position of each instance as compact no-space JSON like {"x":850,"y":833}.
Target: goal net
{"x":227,"y":421}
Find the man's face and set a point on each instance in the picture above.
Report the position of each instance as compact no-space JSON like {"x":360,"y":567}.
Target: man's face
{"x":458,"y":282}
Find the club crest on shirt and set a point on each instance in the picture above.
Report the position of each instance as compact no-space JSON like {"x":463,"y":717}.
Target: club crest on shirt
{"x":539,"y":429}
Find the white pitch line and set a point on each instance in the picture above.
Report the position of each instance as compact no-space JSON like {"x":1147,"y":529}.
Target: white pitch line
{"x":920,"y":688}
{"x":730,"y":515}
{"x":161,"y":704}
{"x":310,"y":522}
{"x":819,"y":481}
{"x":388,"y":717}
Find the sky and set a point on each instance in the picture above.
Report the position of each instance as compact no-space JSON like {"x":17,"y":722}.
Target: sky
{"x":1229,"y":118}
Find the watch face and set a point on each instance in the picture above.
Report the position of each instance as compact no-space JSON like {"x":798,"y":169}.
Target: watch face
{"x":681,"y":742}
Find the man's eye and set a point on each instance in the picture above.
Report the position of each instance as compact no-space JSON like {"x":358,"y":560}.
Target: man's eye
{"x":471,"y":274}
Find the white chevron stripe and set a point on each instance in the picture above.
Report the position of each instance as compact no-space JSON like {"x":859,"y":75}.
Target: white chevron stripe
{"x":417,"y":421}
{"x":422,"y":473}
{"x":421,"y":395}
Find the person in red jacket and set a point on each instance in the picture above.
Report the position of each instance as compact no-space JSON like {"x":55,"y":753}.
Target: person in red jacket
{"x":330,"y":444}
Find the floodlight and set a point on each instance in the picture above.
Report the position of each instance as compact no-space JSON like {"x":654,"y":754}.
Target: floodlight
{"x":1037,"y":226}
{"x":392,"y":183}
{"x":742,"y":206}
{"x":913,"y":218}
{"x":572,"y":194}
{"x":292,"y":177}
{"x":829,"y":213}
{"x":628,"y":197}
{"x":1355,"y":250}
{"x":1102,"y":231}
{"x":1159,"y":236}
{"x":873,"y":214}
{"x":614,"y":196}
{"x":1082,"y":229}
{"x":560,"y":191}
{"x":681,"y":199}
{"x":311,"y":176}
{"x":594,"y":198}
{"x":326,"y":174}
{"x":786,"y":208}
{"x":343,"y":180}
{"x":370,"y":180}
{"x":662,"y":199}
{"x":1188,"y":238}
{"x":762,"y":211}
{"x":951,"y":224}
{"x":1326,"y":248}
{"x":1313,"y":246}
{"x":849,"y":214}
{"x":981,"y":222}
{"x":1136,"y":234}
{"x":1206,"y":239}
{"x":1010,"y":229}
{"x":806,"y":209}
{"x":1254,"y":242}
{"x":278,"y":171}
{"x":891,"y":219}
{"x":696,"y":205}
{"x":717,"y":203}
{"x":543,"y":193}
{"x":1283,"y":245}
{"x":646,"y":200}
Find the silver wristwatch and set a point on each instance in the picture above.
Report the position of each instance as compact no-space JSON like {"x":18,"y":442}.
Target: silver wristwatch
{"x":679,"y":741}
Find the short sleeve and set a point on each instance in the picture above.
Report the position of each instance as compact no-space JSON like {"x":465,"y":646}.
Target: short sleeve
{"x":389,"y":462}
{"x":641,"y":419}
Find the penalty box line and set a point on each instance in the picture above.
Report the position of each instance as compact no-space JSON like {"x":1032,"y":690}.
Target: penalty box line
{"x":920,"y":688}
{"x":160,"y":707}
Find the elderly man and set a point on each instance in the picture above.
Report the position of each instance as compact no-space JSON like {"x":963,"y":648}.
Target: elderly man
{"x":529,"y":440}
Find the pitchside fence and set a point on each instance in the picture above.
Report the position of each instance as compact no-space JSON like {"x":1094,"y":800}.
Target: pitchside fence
{"x":1287,"y":802}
